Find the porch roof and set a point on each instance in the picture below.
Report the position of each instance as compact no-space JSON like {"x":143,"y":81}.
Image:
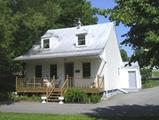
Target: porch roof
{"x":59,"y":55}
{"x":64,"y":42}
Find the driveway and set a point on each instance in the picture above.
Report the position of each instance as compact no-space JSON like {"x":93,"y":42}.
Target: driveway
{"x":143,"y":103}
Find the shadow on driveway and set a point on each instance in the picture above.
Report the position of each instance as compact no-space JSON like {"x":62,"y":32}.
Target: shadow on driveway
{"x":125,"y":110}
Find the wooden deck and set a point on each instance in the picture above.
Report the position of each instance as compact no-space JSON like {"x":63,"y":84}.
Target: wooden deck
{"x":36,"y":85}
{"x":43,"y":90}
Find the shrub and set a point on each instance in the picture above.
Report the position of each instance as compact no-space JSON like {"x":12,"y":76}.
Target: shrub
{"x":26,"y":98}
{"x":145,"y":74}
{"x":5,"y":96}
{"x":75,"y":96}
{"x":94,"y":98}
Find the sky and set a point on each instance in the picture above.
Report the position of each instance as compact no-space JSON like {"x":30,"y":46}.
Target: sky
{"x":121,"y":29}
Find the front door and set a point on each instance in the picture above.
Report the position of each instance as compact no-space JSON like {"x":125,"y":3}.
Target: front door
{"x":69,"y":68}
{"x":132,"y":79}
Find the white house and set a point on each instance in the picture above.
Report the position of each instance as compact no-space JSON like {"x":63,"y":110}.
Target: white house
{"x":83,"y":53}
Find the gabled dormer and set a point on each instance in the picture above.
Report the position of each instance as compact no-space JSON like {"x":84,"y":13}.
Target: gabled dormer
{"x":49,"y":41}
{"x":81,"y":35}
{"x":46,"y":43}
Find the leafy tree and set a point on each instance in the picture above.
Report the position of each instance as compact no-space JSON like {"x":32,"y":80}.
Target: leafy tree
{"x":124,"y":55}
{"x":75,"y":9}
{"x":142,"y":17}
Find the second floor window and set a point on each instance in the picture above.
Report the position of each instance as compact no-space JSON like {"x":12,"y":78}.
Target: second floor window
{"x":81,"y":40}
{"x":46,"y":43}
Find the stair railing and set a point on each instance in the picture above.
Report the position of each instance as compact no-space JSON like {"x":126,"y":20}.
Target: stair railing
{"x":65,"y":86}
{"x":50,"y":88}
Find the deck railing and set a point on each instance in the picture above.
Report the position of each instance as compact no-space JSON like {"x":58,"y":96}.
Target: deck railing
{"x":37,"y":83}
{"x":90,"y":82}
{"x":50,"y":89}
{"x":30,"y":83}
{"x":79,"y":82}
{"x":65,"y":86}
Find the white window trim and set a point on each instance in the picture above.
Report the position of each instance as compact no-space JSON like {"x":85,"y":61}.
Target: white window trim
{"x":43,"y":43}
{"x":77,"y":45}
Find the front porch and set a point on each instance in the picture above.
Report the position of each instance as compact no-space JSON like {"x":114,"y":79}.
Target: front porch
{"x":37,"y":85}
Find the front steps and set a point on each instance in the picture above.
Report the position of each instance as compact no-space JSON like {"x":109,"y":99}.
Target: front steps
{"x":54,"y":95}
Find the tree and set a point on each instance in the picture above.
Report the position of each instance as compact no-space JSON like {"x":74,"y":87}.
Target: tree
{"x":124,"y":55}
{"x":72,"y":10}
{"x":142,"y":17}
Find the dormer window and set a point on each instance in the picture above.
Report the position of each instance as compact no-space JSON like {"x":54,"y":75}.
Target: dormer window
{"x":81,"y":40}
{"x":46,"y":44}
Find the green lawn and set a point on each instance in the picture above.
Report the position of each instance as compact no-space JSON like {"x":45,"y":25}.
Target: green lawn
{"x":25,"y":116}
{"x":151,"y":83}
{"x":155,"y":73}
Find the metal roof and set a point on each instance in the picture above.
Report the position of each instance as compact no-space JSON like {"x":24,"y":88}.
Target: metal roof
{"x":96,"y":38}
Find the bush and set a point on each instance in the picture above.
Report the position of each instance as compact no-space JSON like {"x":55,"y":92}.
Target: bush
{"x":145,"y":74}
{"x":94,"y":98}
{"x":26,"y":98}
{"x":75,"y":96}
{"x":5,"y":96}
{"x":78,"y":96}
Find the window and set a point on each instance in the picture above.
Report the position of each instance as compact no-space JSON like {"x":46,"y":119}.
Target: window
{"x":81,"y":40}
{"x":38,"y":71}
{"x":53,"y":70}
{"x":86,"y":70}
{"x":46,"y":43}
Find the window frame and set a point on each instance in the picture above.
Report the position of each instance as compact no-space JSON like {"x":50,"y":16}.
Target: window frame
{"x":48,"y":43}
{"x":38,"y":73}
{"x":86,"y":70}
{"x":53,"y":70}
{"x":81,"y":38}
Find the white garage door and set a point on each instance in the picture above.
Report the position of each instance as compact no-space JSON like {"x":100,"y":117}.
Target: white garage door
{"x":132,"y":79}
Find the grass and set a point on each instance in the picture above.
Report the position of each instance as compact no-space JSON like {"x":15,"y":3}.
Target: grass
{"x":28,"y":116}
{"x":151,"y":83}
{"x":155,"y":73}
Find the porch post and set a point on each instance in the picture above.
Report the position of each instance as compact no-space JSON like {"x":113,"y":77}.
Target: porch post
{"x":16,"y":83}
{"x":34,"y":82}
{"x":54,"y":83}
{"x":97,"y":81}
{"x":103,"y":82}
{"x":53,"y":77}
{"x":68,"y":80}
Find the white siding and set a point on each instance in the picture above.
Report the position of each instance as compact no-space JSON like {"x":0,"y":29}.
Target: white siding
{"x":124,"y":78}
{"x":111,"y":55}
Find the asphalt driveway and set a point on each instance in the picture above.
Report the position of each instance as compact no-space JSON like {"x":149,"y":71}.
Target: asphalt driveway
{"x":143,"y":103}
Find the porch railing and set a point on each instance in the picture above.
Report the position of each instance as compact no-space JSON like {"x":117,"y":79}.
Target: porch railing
{"x":50,"y":89}
{"x":29,"y":83}
{"x":65,"y":86}
{"x":37,"y":83}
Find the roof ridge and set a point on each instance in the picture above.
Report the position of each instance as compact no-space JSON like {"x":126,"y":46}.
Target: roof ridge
{"x":81,"y":26}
